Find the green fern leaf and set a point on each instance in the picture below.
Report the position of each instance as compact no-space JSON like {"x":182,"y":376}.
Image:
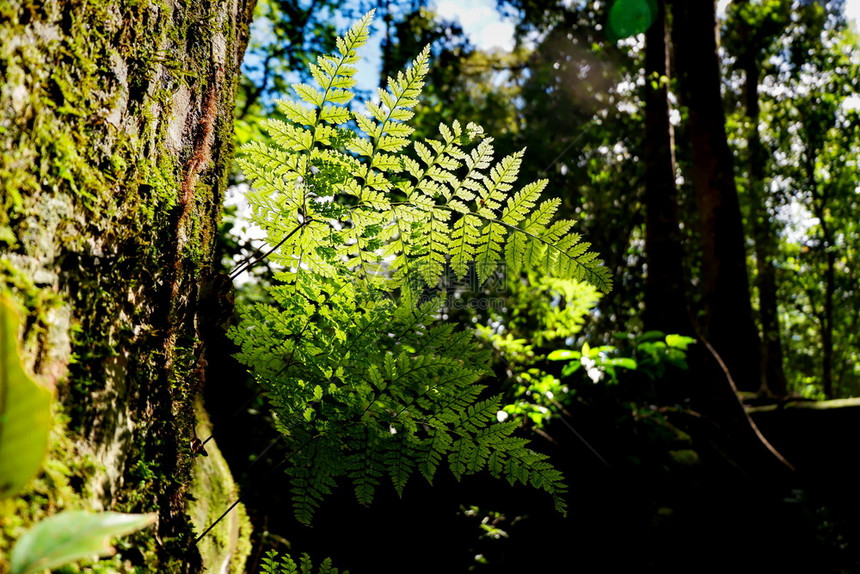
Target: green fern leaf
{"x":519,"y":205}
{"x":488,"y":249}
{"x":273,"y":563}
{"x":334,"y":114}
{"x":309,"y":94}
{"x":297,"y":113}
{"x":362,"y":220}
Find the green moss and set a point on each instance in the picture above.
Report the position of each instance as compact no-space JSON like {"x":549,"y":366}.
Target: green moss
{"x":212,"y":492}
{"x":86,"y":89}
{"x":157,"y":188}
{"x":37,"y":302}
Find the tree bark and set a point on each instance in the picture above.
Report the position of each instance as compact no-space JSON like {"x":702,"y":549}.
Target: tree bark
{"x":665,"y":295}
{"x":727,"y":356}
{"x":728,"y":324}
{"x":116,"y":130}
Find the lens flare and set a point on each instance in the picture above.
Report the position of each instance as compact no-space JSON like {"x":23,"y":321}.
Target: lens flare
{"x":630,"y":17}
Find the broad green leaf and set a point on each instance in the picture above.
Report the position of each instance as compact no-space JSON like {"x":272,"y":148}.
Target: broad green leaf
{"x":679,"y":341}
{"x":25,"y":411}
{"x":72,"y":535}
{"x":624,"y":362}
{"x":570,"y":368}
{"x":563,"y":355}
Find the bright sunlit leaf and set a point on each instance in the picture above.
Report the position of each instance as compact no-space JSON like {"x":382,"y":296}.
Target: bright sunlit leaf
{"x":70,"y":536}
{"x":25,"y":410}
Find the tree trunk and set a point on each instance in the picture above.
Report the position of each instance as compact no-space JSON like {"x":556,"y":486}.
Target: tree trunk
{"x":665,"y":297}
{"x":828,"y":248}
{"x":774,"y":382}
{"x":728,"y":350}
{"x":729,"y":324}
{"x":116,"y":130}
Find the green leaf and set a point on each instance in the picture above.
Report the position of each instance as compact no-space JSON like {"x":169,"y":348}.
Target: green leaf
{"x":309,"y":94}
{"x":25,"y":411}
{"x":679,"y":341}
{"x":563,"y":355}
{"x":570,"y":368}
{"x":624,"y":362}
{"x":72,"y":535}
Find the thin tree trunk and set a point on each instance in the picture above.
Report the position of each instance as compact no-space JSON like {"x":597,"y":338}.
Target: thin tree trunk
{"x":665,"y":296}
{"x":116,"y":130}
{"x":819,"y":209}
{"x":827,"y":334}
{"x":729,"y":324}
{"x":774,"y":382}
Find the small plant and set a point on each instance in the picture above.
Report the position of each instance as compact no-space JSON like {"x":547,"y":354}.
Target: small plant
{"x":273,"y":563}
{"x":366,"y":382}
{"x":70,"y":536}
{"x":652,"y":352}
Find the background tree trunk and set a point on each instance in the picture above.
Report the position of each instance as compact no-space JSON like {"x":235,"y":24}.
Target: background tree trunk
{"x":828,"y":247}
{"x":762,"y":228}
{"x":116,"y":129}
{"x":665,"y":296}
{"x":729,"y":322}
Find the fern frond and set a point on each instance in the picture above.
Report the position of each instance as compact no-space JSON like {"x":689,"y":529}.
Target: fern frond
{"x":500,"y":181}
{"x":463,"y":243}
{"x":520,"y":204}
{"x":365,"y":465}
{"x":432,"y":451}
{"x":363,"y":218}
{"x":313,"y":472}
{"x":297,"y":113}
{"x":274,"y":563}
{"x":488,"y":249}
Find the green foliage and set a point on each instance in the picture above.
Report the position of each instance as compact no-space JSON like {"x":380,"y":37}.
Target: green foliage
{"x":356,"y":201}
{"x":363,"y":221}
{"x":812,"y":143}
{"x":651,"y":353}
{"x":25,"y":410}
{"x":275,"y":564}
{"x":368,"y":389}
{"x":70,"y":536}
{"x":547,"y":309}
{"x":539,"y":310}
{"x":536,"y":395}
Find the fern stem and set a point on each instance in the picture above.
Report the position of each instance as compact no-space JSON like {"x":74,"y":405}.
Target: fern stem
{"x":217,"y":520}
{"x":238,"y":500}
{"x":247,"y":266}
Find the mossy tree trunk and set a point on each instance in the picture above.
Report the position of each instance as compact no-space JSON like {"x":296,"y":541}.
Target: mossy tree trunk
{"x":116,"y":131}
